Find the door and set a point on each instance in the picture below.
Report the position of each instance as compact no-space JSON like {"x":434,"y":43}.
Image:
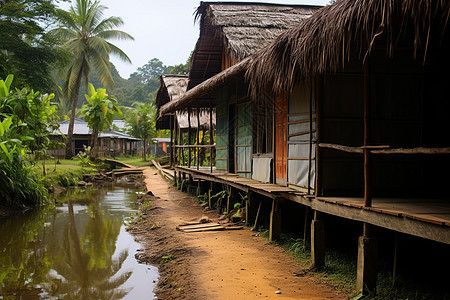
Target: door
{"x":281,"y":112}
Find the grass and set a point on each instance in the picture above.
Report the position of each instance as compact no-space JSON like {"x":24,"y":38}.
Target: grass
{"x":339,"y":270}
{"x":65,"y":173}
{"x":135,"y":160}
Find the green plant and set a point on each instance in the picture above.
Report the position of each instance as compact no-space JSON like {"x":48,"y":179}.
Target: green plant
{"x":84,"y":157}
{"x":167,"y":258}
{"x":220,"y":196}
{"x":99,"y":113}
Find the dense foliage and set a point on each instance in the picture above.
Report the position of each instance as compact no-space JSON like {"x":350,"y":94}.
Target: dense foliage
{"x":25,"y":48}
{"x":24,"y":116}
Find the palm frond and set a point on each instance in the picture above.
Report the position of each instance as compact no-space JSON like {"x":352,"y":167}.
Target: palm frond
{"x":103,"y":68}
{"x":118,"y":52}
{"x":115,"y":34}
{"x":108,"y":24}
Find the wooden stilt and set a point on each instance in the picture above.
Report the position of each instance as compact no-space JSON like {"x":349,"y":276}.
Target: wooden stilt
{"x":305,"y":228}
{"x":257,"y":216}
{"x":394,"y":267}
{"x":366,"y":273}
{"x":317,"y":241}
{"x":275,"y":221}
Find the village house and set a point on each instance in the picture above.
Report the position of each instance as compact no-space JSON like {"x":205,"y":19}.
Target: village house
{"x":183,"y":126}
{"x":344,"y":114}
{"x":113,"y":142}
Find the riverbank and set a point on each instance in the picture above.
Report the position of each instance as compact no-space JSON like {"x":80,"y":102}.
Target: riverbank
{"x":236,"y":264}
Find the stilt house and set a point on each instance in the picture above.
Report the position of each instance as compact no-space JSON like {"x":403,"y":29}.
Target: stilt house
{"x":346,"y":115}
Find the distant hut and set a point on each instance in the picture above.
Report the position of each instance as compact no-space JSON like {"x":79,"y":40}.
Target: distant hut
{"x":183,"y":126}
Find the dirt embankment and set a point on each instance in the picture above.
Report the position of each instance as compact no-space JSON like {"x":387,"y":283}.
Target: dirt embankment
{"x":216,"y":264}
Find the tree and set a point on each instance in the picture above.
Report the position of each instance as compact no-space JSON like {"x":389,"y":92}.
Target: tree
{"x":85,"y":34}
{"x":182,"y":69}
{"x":99,"y":113}
{"x":153,"y":69}
{"x":26,"y":50}
{"x":142,"y":124}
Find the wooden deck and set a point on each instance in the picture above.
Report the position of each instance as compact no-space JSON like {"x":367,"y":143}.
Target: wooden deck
{"x":426,"y":218}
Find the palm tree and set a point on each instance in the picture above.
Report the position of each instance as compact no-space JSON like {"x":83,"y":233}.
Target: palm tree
{"x":99,"y":113}
{"x":85,"y":33}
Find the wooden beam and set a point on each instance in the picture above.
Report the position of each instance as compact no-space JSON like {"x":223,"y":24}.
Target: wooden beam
{"x":382,"y":149}
{"x":402,"y":224}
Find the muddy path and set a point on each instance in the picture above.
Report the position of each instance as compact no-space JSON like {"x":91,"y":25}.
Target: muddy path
{"x":218,"y":264}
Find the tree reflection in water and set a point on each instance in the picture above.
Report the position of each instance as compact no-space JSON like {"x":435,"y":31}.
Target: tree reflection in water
{"x":70,"y":252}
{"x":85,"y":267}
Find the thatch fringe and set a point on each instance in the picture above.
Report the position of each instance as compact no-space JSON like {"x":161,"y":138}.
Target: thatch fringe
{"x":203,"y":88}
{"x":172,"y":87}
{"x":324,"y":42}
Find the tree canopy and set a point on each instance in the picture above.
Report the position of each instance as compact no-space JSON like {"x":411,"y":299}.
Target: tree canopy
{"x":26,"y":50}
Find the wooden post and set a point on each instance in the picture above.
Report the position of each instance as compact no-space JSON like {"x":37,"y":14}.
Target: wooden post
{"x":257,"y":216}
{"x":367,"y":183}
{"x":211,"y":137}
{"x":317,"y":241}
{"x":394,"y":267}
{"x":198,"y":138}
{"x":318,"y":187}
{"x":171,"y":140}
{"x":305,"y":228}
{"x":366,"y":272}
{"x":189,"y":136}
{"x":209,"y":194}
{"x":228,"y":201}
{"x":310,"y":139}
{"x":275,"y":220}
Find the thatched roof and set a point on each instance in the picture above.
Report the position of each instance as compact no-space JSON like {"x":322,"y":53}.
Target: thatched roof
{"x":202,"y":89}
{"x":172,"y":87}
{"x":238,"y":29}
{"x":326,"y":41}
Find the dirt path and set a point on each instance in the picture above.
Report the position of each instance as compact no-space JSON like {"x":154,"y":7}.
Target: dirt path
{"x":218,"y":264}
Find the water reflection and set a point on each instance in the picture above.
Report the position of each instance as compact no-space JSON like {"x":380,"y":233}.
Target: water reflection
{"x":78,"y":250}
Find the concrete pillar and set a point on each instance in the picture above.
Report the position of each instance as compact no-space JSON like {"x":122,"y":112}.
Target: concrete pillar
{"x":317,"y":241}
{"x":366,"y":274}
{"x":275,"y":221}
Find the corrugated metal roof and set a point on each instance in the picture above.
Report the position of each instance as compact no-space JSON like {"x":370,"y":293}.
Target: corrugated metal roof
{"x":80,"y":127}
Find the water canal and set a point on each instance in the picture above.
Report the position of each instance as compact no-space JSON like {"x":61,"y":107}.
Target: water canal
{"x":78,"y":249}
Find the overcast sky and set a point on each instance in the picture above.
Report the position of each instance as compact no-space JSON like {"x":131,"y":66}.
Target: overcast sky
{"x":163,"y":29}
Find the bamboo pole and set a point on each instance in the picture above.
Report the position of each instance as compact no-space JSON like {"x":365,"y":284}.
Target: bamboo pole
{"x":318,"y":185}
{"x":367,"y":160}
{"x":189,"y":136}
{"x":198,"y":137}
{"x":310,"y":135}
{"x":211,"y":138}
{"x":171,"y":139}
